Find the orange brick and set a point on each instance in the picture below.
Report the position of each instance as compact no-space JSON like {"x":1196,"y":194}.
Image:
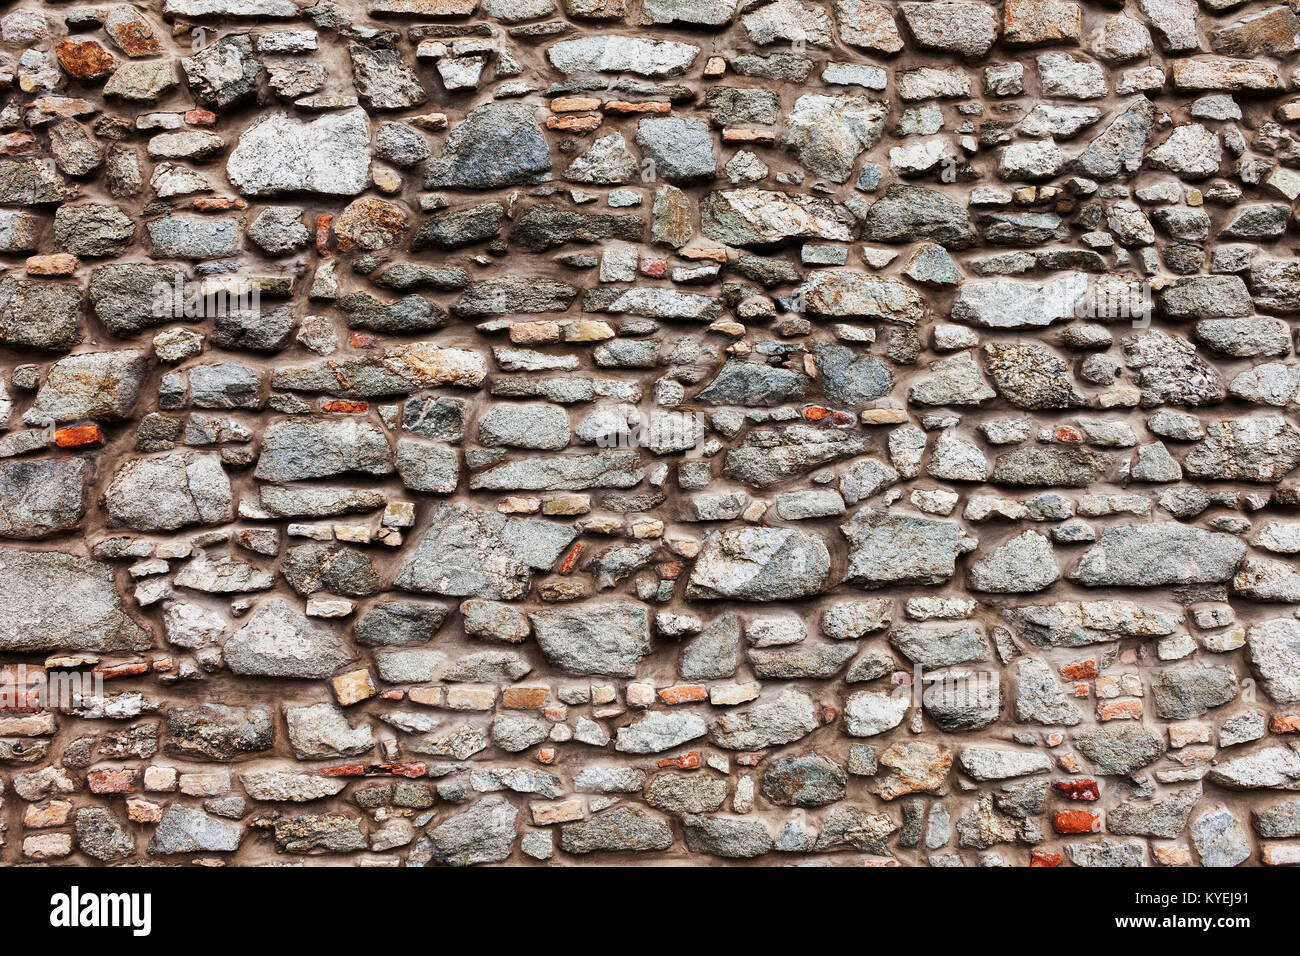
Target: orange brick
{"x":1130,"y":709}
{"x":323,"y":235}
{"x":217,"y":203}
{"x":1285,"y":724}
{"x":1079,"y":789}
{"x":1045,"y":858}
{"x":717,"y":254}
{"x":78,"y":435}
{"x":111,"y":781}
{"x":654,"y":268}
{"x":762,"y":136}
{"x":574,"y":104}
{"x":652,"y":106}
{"x":1076,"y":821}
{"x":1068,"y":434}
{"x":1080,"y":670}
{"x":21,"y":143}
{"x":340,"y":406}
{"x":525,"y":697}
{"x":546,"y":755}
{"x":57,"y":264}
{"x":362,"y":340}
{"x":685,"y":762}
{"x":128,"y":669}
{"x":751,"y":759}
{"x":201,"y":117}
{"x":557,"y":811}
{"x":574,"y":124}
{"x":815,"y":413}
{"x":684,"y":694}
{"x":534,"y":333}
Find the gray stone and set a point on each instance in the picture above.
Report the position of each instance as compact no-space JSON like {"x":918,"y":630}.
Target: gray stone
{"x":1158,"y":554}
{"x":607,"y":639}
{"x":888,"y":549}
{"x":56,"y":601}
{"x":908,"y":213}
{"x":471,"y":553}
{"x":169,"y":492}
{"x":623,"y":829}
{"x":278,"y":641}
{"x":1039,"y":698}
{"x":1220,"y":838}
{"x":485,"y":833}
{"x":277,"y":154}
{"x":218,"y":732}
{"x":498,"y":144}
{"x":1119,"y":749}
{"x":187,"y":830}
{"x":778,"y":720}
{"x":759,"y":564}
{"x":43,"y":497}
{"x":680,"y":150}
{"x":1022,"y":565}
{"x":296,"y":450}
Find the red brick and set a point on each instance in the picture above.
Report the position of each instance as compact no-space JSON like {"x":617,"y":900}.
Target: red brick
{"x":685,"y":762}
{"x":78,"y":435}
{"x":111,"y":781}
{"x":1045,"y":858}
{"x":56,"y":264}
{"x":1079,"y":789}
{"x":198,"y":117}
{"x":344,"y":770}
{"x":323,"y":235}
{"x":342,"y":406}
{"x":571,"y":559}
{"x":1080,"y":670}
{"x":684,"y":694}
{"x":1076,"y":821}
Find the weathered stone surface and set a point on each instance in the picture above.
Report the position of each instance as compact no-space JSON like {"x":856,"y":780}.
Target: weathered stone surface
{"x":43,"y":497}
{"x":760,"y":564}
{"x":683,"y":427}
{"x":58,"y":600}
{"x":169,"y":492}
{"x":496,"y":145}
{"x":606,"y":639}
{"x":1158,"y":554}
{"x":277,"y":641}
{"x":278,"y":154}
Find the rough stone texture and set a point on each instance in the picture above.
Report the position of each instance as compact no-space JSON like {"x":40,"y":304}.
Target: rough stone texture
{"x":650,"y":431}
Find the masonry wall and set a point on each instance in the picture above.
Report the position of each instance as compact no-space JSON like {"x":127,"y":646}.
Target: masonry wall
{"x":701,"y":432}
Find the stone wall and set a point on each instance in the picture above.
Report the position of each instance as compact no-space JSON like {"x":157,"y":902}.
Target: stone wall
{"x":624,"y":431}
